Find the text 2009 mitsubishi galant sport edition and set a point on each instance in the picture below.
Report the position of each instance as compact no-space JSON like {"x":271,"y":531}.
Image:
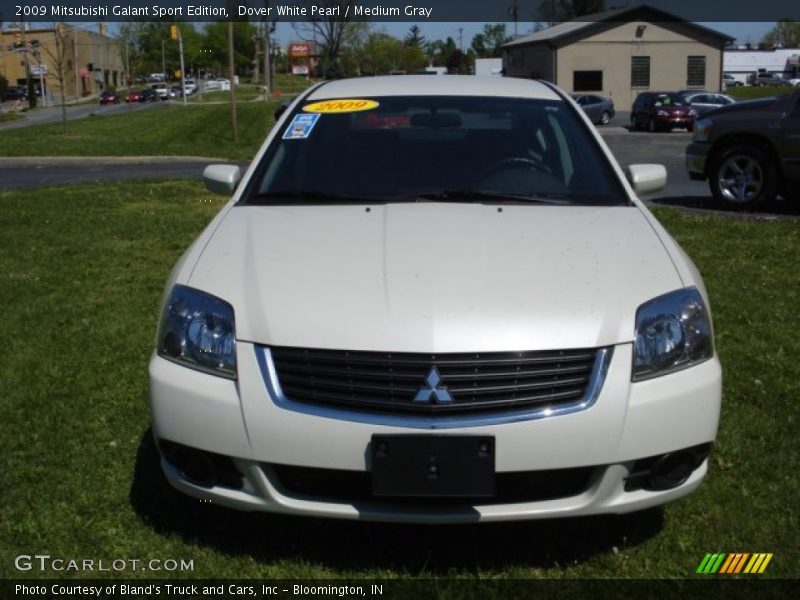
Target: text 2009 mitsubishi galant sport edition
{"x":435,"y":299}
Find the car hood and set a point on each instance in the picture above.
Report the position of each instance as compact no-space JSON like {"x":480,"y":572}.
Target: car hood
{"x":435,"y":277}
{"x":761,"y":104}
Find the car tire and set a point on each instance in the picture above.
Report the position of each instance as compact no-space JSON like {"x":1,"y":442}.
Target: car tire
{"x":634,"y":123}
{"x":743,"y":176}
{"x":651,"y":125}
{"x":604,"y":118}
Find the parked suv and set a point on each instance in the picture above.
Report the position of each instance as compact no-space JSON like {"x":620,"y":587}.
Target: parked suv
{"x":762,"y":78}
{"x":660,"y":111}
{"x":749,"y":151}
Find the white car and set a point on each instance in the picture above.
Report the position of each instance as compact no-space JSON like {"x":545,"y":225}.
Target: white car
{"x":162,"y":90}
{"x":435,"y":299}
{"x":190,"y":85}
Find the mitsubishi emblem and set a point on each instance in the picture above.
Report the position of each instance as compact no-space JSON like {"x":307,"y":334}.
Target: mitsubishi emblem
{"x":440,"y":395}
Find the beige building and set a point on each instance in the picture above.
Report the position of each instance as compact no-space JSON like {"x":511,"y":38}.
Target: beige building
{"x":91,"y":61}
{"x":620,"y":53}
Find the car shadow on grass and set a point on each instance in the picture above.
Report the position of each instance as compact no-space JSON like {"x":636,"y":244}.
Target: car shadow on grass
{"x":776,"y":209}
{"x":408,"y":549}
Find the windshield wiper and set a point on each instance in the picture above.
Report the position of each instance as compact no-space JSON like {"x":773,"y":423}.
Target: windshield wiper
{"x":478,"y":195}
{"x":319,"y":196}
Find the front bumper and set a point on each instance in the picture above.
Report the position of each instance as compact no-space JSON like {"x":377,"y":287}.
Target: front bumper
{"x":628,"y":422}
{"x":696,"y":160}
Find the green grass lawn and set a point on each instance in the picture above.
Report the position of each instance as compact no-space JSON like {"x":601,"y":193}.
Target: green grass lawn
{"x":162,"y":131}
{"x":81,"y":276}
{"x":6,"y":117}
{"x":753,"y":93}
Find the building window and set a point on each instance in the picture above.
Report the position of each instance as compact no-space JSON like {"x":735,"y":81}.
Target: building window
{"x":696,"y":71}
{"x":640,"y":71}
{"x":587,"y":81}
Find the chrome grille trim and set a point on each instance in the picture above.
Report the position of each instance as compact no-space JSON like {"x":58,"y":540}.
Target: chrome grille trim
{"x":434,"y":421}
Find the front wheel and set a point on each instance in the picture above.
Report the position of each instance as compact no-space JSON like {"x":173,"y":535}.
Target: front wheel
{"x":743,"y":176}
{"x":605,"y":118}
{"x":651,"y":125}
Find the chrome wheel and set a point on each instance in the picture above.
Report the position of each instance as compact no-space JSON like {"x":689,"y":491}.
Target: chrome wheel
{"x":740,"y":179}
{"x":604,"y":118}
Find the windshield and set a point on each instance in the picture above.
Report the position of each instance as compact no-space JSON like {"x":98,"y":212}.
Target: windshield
{"x":435,"y":148}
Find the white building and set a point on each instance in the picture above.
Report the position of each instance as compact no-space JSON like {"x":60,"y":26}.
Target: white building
{"x":741,"y":62}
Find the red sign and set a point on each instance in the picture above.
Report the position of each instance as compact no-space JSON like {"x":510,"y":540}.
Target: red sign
{"x":299,"y":50}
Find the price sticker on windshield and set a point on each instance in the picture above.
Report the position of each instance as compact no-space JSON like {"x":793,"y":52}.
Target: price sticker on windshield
{"x":345,"y":105}
{"x":300,"y":127}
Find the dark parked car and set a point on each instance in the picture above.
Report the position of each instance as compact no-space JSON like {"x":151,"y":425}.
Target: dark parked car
{"x":15,"y":92}
{"x":109,"y":98}
{"x":599,"y":109}
{"x":149,"y":95}
{"x":660,"y":111}
{"x":766,"y":79}
{"x":750,"y":151}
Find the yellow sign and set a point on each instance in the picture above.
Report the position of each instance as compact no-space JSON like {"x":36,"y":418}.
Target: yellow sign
{"x":344,"y":105}
{"x":173,"y":32}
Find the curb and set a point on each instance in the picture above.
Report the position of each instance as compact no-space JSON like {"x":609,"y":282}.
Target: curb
{"x":16,"y":161}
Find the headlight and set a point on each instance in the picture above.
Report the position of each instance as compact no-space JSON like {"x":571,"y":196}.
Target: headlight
{"x":662,"y":113}
{"x":197,"y":331}
{"x":702,"y":130}
{"x":673,"y":332}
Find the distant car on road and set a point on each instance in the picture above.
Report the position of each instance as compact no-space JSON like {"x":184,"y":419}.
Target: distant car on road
{"x":108,"y":97}
{"x":15,"y":92}
{"x":702,"y":102}
{"x":660,"y":111}
{"x":134,"y":96}
{"x":149,"y":95}
{"x":162,"y":90}
{"x":191,"y":86}
{"x":599,"y":109}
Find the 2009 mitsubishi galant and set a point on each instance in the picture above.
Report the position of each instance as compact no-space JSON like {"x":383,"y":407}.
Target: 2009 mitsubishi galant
{"x":435,"y":299}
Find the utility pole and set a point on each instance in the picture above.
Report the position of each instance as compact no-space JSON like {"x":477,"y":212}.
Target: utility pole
{"x":175,"y":33}
{"x":514,"y":12}
{"x":232,"y":77}
{"x":267,"y":52}
{"x":461,"y":39}
{"x":163,"y":60}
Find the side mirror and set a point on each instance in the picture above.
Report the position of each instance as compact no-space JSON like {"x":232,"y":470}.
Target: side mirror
{"x":646,"y":179}
{"x":222,"y":179}
{"x":280,"y":110}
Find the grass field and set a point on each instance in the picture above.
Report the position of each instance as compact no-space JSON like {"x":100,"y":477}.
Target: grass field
{"x":160,"y":131}
{"x":753,"y":93}
{"x":81,"y":275}
{"x":6,"y":117}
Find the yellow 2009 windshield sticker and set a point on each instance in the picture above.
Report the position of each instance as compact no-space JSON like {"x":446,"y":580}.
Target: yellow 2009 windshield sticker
{"x":344,"y":105}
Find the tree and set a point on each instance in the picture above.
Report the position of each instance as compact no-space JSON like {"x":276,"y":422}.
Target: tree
{"x":414,"y":37}
{"x":329,"y":34}
{"x":488,"y":43}
{"x":215,"y":43}
{"x":558,"y":11}
{"x":786,"y":33}
{"x":58,"y":58}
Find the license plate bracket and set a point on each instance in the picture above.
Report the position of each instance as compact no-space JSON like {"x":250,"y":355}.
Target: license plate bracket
{"x":433,"y":466}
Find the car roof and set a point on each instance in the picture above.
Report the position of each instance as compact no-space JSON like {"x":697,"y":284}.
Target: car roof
{"x":434,"y":85}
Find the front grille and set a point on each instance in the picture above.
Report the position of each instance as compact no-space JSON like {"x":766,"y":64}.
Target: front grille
{"x":335,"y":485}
{"x":468,"y":383}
